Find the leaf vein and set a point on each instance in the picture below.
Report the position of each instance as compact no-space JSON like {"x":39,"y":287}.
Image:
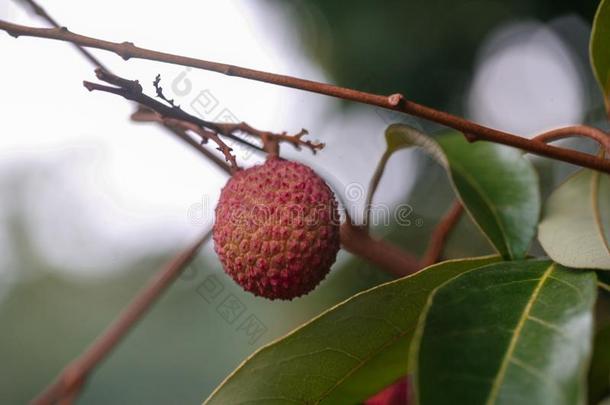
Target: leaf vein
{"x":548,"y":325}
{"x":571,"y":286}
{"x":495,"y":388}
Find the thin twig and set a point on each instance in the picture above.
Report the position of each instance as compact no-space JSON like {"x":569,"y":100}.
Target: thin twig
{"x":397,"y":102}
{"x":175,"y":117}
{"x":271,"y":141}
{"x":72,"y":378}
{"x":582,"y":131}
{"x":204,"y":134}
{"x":132,"y":90}
{"x":441,"y":233}
{"x":160,"y":94}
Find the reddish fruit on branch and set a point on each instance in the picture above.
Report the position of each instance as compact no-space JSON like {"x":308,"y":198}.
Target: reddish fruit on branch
{"x":277,"y":229}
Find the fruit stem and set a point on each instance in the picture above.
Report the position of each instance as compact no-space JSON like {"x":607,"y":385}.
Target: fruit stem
{"x":357,"y":240}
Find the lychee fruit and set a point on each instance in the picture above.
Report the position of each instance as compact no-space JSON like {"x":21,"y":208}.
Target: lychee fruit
{"x":277,"y":229}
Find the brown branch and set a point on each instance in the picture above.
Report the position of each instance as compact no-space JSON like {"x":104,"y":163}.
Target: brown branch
{"x":395,"y":102}
{"x":174,"y":116}
{"x":441,"y":233}
{"x":271,"y":141}
{"x":357,"y":240}
{"x":580,"y":130}
{"x":205,"y":134}
{"x":72,"y":378}
{"x":171,"y":115}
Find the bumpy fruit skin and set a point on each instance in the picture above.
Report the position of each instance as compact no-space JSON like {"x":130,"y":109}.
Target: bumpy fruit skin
{"x":277,"y":229}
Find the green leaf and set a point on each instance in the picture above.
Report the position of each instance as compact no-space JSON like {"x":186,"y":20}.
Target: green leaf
{"x":575,"y":229}
{"x":508,"y":333}
{"x":599,"y":372}
{"x":497,"y":185}
{"x":599,"y":48}
{"x":346,"y":354}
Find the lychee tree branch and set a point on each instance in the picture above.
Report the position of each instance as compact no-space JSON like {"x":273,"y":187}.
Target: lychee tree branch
{"x":441,"y":233}
{"x":358,"y":240}
{"x":71,"y":379}
{"x":396,"y":102}
{"x":172,"y":115}
{"x":271,"y":141}
{"x":132,"y":90}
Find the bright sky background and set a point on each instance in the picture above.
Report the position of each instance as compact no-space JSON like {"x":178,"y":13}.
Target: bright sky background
{"x":527,"y":81}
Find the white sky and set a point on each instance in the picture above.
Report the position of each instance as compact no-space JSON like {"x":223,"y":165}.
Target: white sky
{"x":527,"y":81}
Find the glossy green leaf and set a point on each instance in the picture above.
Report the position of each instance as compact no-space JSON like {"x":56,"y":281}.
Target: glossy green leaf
{"x":599,"y":48}
{"x":575,"y":229}
{"x":599,"y":372}
{"x":497,"y":185}
{"x":508,"y":333}
{"x":346,"y":354}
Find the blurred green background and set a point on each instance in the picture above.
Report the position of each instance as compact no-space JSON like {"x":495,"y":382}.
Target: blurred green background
{"x":428,"y":50}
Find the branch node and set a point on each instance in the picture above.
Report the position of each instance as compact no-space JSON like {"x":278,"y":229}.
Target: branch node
{"x":470,"y":137}
{"x":159,"y":90}
{"x":125,"y":50}
{"x":396,"y":99}
{"x":73,"y":376}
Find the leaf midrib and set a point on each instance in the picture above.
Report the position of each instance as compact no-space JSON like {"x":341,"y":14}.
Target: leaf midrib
{"x":495,"y":388}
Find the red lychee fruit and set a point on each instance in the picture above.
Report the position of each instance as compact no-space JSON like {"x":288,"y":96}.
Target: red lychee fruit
{"x":277,"y":229}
